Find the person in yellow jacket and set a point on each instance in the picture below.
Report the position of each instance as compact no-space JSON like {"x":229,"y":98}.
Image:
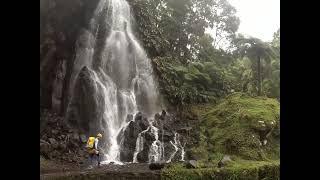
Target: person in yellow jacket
{"x":92,"y":146}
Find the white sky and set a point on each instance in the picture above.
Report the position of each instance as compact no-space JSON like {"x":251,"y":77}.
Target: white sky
{"x":258,"y":18}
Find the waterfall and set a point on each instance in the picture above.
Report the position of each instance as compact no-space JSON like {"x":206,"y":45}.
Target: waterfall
{"x":175,"y":145}
{"x":139,"y":145}
{"x":156,"y":147}
{"x":182,"y":150}
{"x":121,"y":70}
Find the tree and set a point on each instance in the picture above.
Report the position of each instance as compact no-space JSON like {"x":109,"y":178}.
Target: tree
{"x":276,"y":39}
{"x":256,"y":50}
{"x":181,"y":23}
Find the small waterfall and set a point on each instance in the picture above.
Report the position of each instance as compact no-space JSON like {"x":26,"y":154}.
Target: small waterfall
{"x":182,"y":150}
{"x":156,"y":148}
{"x":175,"y":145}
{"x":139,"y":145}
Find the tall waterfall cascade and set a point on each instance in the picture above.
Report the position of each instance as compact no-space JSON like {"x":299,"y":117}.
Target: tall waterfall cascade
{"x":121,"y":73}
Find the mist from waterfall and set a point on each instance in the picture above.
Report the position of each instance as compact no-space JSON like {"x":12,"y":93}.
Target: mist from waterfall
{"x":120,"y":69}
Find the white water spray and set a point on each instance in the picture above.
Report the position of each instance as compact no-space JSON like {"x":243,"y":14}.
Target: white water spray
{"x":122,"y":73}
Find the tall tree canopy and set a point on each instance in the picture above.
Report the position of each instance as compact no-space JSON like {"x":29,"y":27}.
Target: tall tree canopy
{"x":182,"y":23}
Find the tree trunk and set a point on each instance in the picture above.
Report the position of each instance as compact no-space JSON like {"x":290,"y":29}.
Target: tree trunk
{"x":259,"y":76}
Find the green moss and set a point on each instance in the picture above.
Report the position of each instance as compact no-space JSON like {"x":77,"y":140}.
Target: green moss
{"x":238,"y":170}
{"x":236,"y":126}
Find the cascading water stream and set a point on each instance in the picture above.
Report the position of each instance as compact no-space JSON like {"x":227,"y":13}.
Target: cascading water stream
{"x":122,"y":73}
{"x":139,"y":145}
{"x":155,"y":154}
{"x":121,"y":78}
{"x":175,"y":145}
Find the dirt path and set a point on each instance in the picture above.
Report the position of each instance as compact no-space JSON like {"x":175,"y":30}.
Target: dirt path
{"x":139,"y":171}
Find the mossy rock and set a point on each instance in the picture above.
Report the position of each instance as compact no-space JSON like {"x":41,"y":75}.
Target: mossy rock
{"x":239,"y":125}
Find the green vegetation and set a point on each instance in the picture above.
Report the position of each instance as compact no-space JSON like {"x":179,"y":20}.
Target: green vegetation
{"x":193,"y":83}
{"x":237,"y":170}
{"x":194,"y":66}
{"x":238,"y":126}
{"x":229,"y":81}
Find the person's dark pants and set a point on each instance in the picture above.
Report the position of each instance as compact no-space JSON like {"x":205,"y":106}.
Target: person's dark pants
{"x":93,"y":157}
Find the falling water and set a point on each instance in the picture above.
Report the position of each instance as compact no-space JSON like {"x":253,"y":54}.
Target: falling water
{"x":121,"y":72}
{"x":182,"y":150}
{"x":156,"y":148}
{"x":175,"y":145}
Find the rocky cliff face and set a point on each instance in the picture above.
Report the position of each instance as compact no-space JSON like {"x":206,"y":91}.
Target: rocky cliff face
{"x":60,"y":23}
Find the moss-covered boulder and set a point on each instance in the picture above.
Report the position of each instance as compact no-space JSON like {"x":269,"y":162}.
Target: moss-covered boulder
{"x":241,"y":126}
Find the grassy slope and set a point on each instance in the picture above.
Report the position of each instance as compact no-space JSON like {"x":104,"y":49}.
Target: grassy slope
{"x":236,"y":126}
{"x":237,"y":170}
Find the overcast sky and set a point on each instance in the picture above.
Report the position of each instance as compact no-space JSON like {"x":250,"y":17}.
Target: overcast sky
{"x":258,"y":18}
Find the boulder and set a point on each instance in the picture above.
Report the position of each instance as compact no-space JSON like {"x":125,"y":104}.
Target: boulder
{"x":224,"y":161}
{"x":62,"y":146}
{"x":43,"y":141}
{"x":156,"y":116}
{"x":54,"y":132}
{"x":149,"y":136}
{"x":191,"y":164}
{"x":86,"y":105}
{"x":156,"y":166}
{"x":128,"y":137}
{"x":163,"y":114}
{"x":75,"y":137}
{"x":142,"y":121}
{"x":45,"y":149}
{"x":52,"y":141}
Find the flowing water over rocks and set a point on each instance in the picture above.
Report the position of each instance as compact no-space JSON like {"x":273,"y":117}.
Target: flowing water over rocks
{"x":112,"y":81}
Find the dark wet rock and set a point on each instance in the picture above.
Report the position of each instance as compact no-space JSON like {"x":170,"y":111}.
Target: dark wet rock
{"x":128,"y":136}
{"x":55,"y":132}
{"x":127,"y":140}
{"x":169,"y":150}
{"x":191,"y":164}
{"x":166,"y":136}
{"x":156,"y":166}
{"x":45,"y":149}
{"x":74,"y":137}
{"x":184,"y":130}
{"x":149,"y":137}
{"x":52,"y":141}
{"x":142,"y":157}
{"x":87,"y":104}
{"x":83,"y":138}
{"x":163,"y":114}
{"x":142,"y":121}
{"x":165,"y":127}
{"x":129,"y":118}
{"x":54,"y":154}
{"x":156,"y":116}
{"x":43,"y":141}
{"x":62,"y":147}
